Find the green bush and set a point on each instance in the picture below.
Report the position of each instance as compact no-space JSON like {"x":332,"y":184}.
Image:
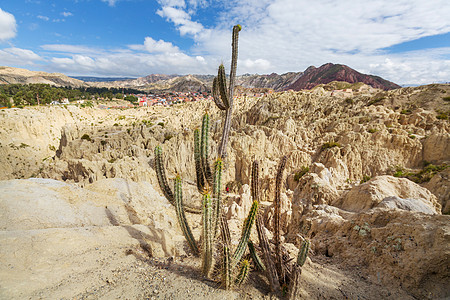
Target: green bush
{"x":365,"y":179}
{"x":86,"y":137}
{"x":330,"y":145}
{"x":300,"y":173}
{"x":405,"y":111}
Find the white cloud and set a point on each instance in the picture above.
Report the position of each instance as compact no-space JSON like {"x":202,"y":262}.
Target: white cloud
{"x":181,"y":19}
{"x":278,"y":36}
{"x":7,"y":26}
{"x":67,"y":14}
{"x":153,"y":46}
{"x":110,"y":2}
{"x":138,"y":60}
{"x":45,"y":18}
{"x":18,"y":56}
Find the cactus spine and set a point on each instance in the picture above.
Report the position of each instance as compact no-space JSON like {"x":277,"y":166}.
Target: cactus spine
{"x":182,"y":217}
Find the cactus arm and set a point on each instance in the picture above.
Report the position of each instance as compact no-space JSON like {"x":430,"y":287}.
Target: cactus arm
{"x":277,"y":217}
{"x":234,"y":57}
{"x":255,"y":180}
{"x":271,"y":272}
{"x":229,"y":111}
{"x":243,"y":272}
{"x":216,"y":94}
{"x":303,"y":253}
{"x":207,"y":234}
{"x":258,"y":262}
{"x":224,"y":230}
{"x":242,"y":246}
{"x":163,"y":184}
{"x":161,"y":174}
{"x":226,"y":268}
{"x":204,"y":151}
{"x":198,"y":162}
{"x":217,"y":189}
{"x":182,"y":218}
{"x":222,"y":86}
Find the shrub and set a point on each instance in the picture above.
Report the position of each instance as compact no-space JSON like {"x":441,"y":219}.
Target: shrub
{"x":405,"y":111}
{"x":372,"y":130}
{"x":300,"y":173}
{"x":442,"y":116}
{"x":86,"y":137}
{"x":446,"y":98}
{"x":365,"y":179}
{"x":375,"y":101}
{"x":330,"y":145}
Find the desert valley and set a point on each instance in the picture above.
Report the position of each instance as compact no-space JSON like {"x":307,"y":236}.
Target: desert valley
{"x":366,"y":182}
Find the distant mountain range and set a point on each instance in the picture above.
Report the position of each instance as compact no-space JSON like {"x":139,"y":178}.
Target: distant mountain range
{"x":296,"y":81}
{"x":100,"y":79}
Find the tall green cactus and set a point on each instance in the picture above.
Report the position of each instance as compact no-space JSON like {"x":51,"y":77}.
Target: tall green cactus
{"x":207,"y":234}
{"x":209,"y":183}
{"x":220,"y":88}
{"x":277,"y":217}
{"x":271,"y":271}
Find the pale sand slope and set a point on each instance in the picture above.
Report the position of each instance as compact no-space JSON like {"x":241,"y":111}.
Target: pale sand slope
{"x":118,"y":240}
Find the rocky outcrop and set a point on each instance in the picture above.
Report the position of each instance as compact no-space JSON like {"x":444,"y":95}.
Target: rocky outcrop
{"x":391,"y":192}
{"x":10,"y":75}
{"x":334,"y":72}
{"x":395,"y":246}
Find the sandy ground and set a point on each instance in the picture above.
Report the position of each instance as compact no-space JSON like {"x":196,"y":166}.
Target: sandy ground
{"x":111,"y":263}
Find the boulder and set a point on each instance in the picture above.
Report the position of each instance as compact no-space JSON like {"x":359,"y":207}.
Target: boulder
{"x":369,"y":194}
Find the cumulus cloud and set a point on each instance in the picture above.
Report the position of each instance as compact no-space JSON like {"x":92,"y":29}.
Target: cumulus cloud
{"x":277,"y":36}
{"x":173,"y":10}
{"x":18,"y":56}
{"x":7,"y":26}
{"x":67,"y":14}
{"x":137,"y":60}
{"x":153,"y":46}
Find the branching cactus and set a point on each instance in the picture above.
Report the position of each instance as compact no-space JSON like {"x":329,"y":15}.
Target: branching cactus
{"x":209,"y":184}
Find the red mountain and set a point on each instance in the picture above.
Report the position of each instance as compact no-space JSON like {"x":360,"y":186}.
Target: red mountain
{"x":334,"y":72}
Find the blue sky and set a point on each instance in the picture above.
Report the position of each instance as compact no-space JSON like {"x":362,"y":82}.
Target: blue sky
{"x":407,"y":42}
